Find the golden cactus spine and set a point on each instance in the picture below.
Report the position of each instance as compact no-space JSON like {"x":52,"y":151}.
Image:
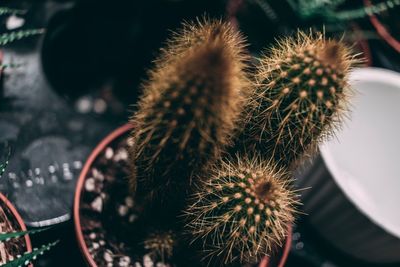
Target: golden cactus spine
{"x":300,"y":98}
{"x":243,"y":211}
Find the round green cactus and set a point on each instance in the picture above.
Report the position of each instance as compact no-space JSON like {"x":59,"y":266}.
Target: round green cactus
{"x":301,"y":95}
{"x":243,"y":211}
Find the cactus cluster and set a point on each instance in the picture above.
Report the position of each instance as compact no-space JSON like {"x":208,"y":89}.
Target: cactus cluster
{"x":301,"y":95}
{"x":207,"y":137}
{"x":243,"y":210}
{"x":160,"y":245}
{"x":188,"y":111}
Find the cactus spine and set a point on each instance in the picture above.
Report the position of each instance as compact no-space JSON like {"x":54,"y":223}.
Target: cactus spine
{"x":301,"y":94}
{"x":243,"y":210}
{"x":188,"y":110}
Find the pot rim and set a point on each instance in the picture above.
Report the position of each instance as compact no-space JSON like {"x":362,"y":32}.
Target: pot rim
{"x":20,"y":221}
{"x":78,"y":192}
{"x":77,"y":220}
{"x":382,"y":31}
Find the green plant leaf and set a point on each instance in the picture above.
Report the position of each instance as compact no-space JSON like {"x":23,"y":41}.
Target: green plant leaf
{"x":8,"y":236}
{"x":28,"y":257}
{"x":6,"y":10}
{"x":6,"y":38}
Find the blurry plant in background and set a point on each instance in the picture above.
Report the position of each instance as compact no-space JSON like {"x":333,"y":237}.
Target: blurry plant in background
{"x":12,"y":243}
{"x":11,"y":35}
{"x":331,"y":11}
{"x":14,"y":35}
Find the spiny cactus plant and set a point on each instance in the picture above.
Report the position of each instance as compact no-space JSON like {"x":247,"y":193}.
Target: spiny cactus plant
{"x":243,"y":211}
{"x":301,"y":93}
{"x":188,"y":111}
{"x":160,"y":245}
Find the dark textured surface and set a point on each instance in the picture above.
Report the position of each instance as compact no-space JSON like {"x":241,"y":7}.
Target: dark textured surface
{"x":59,"y":125}
{"x":49,"y":139}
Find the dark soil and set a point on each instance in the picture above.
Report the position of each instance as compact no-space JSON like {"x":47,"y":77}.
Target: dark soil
{"x":110,"y":217}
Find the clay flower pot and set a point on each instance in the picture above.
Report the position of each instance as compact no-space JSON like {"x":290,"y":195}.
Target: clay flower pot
{"x":100,"y":224}
{"x":14,"y":222}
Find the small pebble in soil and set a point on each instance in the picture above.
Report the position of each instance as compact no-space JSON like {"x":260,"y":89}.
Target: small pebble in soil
{"x":97,"y":174}
{"x":95,"y":246}
{"x":122,"y":210}
{"x":97,"y":204}
{"x":107,"y":256}
{"x":121,"y":154}
{"x":109,"y":153}
{"x":147,"y":262}
{"x":90,"y":185}
{"x":124,"y":261}
{"x":129,"y":201}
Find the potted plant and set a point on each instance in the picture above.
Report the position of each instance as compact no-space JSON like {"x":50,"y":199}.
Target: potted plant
{"x":12,"y":222}
{"x":15,"y":243}
{"x":202,"y":173}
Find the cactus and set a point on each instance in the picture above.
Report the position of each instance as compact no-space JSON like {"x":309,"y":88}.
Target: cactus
{"x":160,"y":245}
{"x":243,"y":211}
{"x":301,"y":94}
{"x":188,"y":111}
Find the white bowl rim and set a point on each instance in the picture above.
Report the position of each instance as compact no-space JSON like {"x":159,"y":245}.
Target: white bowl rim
{"x":368,"y":74}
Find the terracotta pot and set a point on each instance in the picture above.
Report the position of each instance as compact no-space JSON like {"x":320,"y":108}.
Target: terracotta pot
{"x":19,"y":220}
{"x":79,"y":188}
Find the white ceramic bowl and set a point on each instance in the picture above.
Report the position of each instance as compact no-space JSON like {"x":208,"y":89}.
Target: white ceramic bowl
{"x":355,"y":197}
